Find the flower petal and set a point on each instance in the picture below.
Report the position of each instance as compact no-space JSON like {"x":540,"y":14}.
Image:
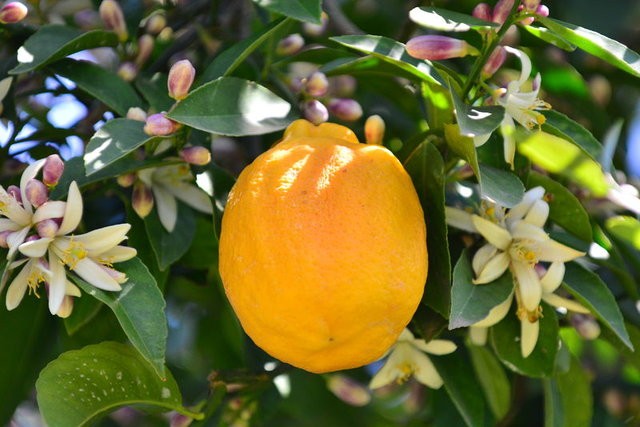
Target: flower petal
{"x":520,"y":210}
{"x":538,"y":214}
{"x":553,"y":277}
{"x":437,"y":347}
{"x":459,"y":219}
{"x":482,"y":257}
{"x":66,"y":307}
{"x":478,"y":335}
{"x":569,"y":304}
{"x":8,"y":225}
{"x":117,"y":254}
{"x":72,"y":212}
{"x":493,"y":269}
{"x":57,"y":283}
{"x":508,"y":128}
{"x":496,"y":235}
{"x":192,"y":196}
{"x":496,"y":314}
{"x":103,"y":239}
{"x":166,"y":206}
{"x":15,"y":239}
{"x":528,"y":336}
{"x":12,"y":209}
{"x":524,"y":230}
{"x":17,"y":288}
{"x":480,"y":140}
{"x":386,"y":375}
{"x":72,"y":290}
{"x":94,"y":274}
{"x":28,"y":174}
{"x":552,"y":251}
{"x":528,"y":285}
{"x":425,"y":372}
{"x":49,"y":210}
{"x":35,"y":248}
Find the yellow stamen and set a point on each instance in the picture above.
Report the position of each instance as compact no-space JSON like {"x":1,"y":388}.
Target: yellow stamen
{"x":406,"y":370}
{"x":74,"y":253}
{"x":35,"y":278}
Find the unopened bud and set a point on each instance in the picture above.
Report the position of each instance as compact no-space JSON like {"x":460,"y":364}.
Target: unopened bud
{"x":180,"y":420}
{"x":128,"y":71}
{"x":14,"y":191}
{"x":196,"y":155}
{"x":494,"y":62}
{"x":317,"y":84}
{"x":530,"y":5}
{"x":181,"y":76}
{"x":4,"y":235}
{"x":136,"y":113}
{"x":585,"y":325}
{"x":345,"y":109}
{"x":113,"y":18}
{"x":142,"y":199}
{"x":600,"y":90}
{"x":165,"y":35}
{"x":501,"y":11}
{"x":542,"y":10}
{"x":156,"y":23}
{"x":374,"y":130}
{"x":13,"y":12}
{"x":126,"y":180}
{"x":315,"y":112}
{"x":348,"y":390}
{"x":316,"y":30}
{"x":343,"y":86}
{"x":36,"y":192}
{"x":145,"y":48}
{"x":47,"y":228}
{"x":158,"y":125}
{"x":482,"y":11}
{"x":52,"y":170}
{"x":290,"y":45}
{"x":435,"y":48}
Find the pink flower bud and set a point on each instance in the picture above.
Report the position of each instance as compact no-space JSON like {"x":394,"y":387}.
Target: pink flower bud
{"x":142,"y":199}
{"x":13,"y":12}
{"x":316,"y":30}
{"x":290,"y":45}
{"x":501,"y":10}
{"x":530,"y":5}
{"x":36,"y":192}
{"x":156,"y":23}
{"x":196,"y":155}
{"x":181,"y":76}
{"x":495,"y":61}
{"x":126,"y":180}
{"x":542,"y":10}
{"x":158,"y":125}
{"x":435,"y":48}
{"x":4,"y":235}
{"x":179,"y":420}
{"x":47,"y":228}
{"x":145,"y":47}
{"x":32,"y":238}
{"x":137,"y":113}
{"x":128,"y":71}
{"x":348,"y":390}
{"x":482,"y":11}
{"x":52,"y":170}
{"x":14,"y":191}
{"x":374,"y":130}
{"x":345,"y":109}
{"x":585,"y":325}
{"x":315,"y":111}
{"x":317,"y":84}
{"x":113,"y":18}
{"x":343,"y":86}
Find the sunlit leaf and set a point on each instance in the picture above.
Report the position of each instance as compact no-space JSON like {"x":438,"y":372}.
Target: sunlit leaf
{"x":625,"y":228}
{"x":462,"y":146}
{"x":302,"y":10}
{"x":475,"y":121}
{"x":549,"y":36}
{"x":501,"y":186}
{"x":447,"y":20}
{"x":562,"y":126}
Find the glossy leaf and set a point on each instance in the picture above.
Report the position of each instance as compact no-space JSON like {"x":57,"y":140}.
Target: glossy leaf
{"x":222,"y":184}
{"x":139,"y":308}
{"x":589,"y":289}
{"x":233,"y":106}
{"x":170,"y":247}
{"x":502,"y":186}
{"x":625,"y":228}
{"x":154,"y":90}
{"x":562,"y":126}
{"x":462,"y":146}
{"x":560,"y":156}
{"x":84,"y":310}
{"x":475,"y":121}
{"x":472,"y":303}
{"x":113,"y":141}
{"x":492,"y":378}
{"x":302,"y":10}
{"x":82,"y":385}
{"x":549,"y":36}
{"x":505,"y":338}
{"x":53,"y":42}
{"x":568,"y":399}
{"x":100,"y":83}
{"x":426,"y":168}
{"x":447,"y":20}
{"x":596,"y":44}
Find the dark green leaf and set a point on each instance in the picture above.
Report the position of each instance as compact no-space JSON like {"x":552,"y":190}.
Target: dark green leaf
{"x":53,"y":42}
{"x":503,"y":187}
{"x":447,"y":20}
{"x":102,"y":84}
{"x":472,"y":303}
{"x":84,"y":310}
{"x":505,"y":338}
{"x":596,"y":44}
{"x":625,"y":228}
{"x":302,"y":10}
{"x":393,"y":52}
{"x":593,"y":293}
{"x":566,"y":209}
{"x":463,"y":146}
{"x":170,"y":247}
{"x":567,"y":398}
{"x":113,"y":141}
{"x":426,"y":168}
{"x":222,"y":184}
{"x":492,"y":378}
{"x":562,"y":126}
{"x":475,"y":121}
{"x":549,"y":36}
{"x":154,"y":90}
{"x":139,"y":308}
{"x":82,"y":385}
{"x":232,"y":106}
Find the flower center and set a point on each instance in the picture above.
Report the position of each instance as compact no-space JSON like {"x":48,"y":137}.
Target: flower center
{"x":35,"y":278}
{"x":74,"y":253}
{"x":406,"y":370}
{"x":520,"y":251}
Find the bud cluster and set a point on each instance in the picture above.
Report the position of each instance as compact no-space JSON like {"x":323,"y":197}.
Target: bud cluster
{"x":503,"y":8}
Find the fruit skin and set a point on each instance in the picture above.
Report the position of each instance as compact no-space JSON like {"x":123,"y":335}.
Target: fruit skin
{"x":323,"y":249}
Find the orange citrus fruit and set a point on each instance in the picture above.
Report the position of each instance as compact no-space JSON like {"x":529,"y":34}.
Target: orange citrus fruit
{"x":323,"y":249}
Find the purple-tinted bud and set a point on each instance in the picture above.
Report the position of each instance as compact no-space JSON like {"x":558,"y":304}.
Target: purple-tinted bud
{"x":501,"y":11}
{"x":52,"y":170}
{"x":47,"y":228}
{"x":435,"y":48}
{"x":542,"y":10}
{"x":36,"y":192}
{"x":290,"y":45}
{"x":343,"y":86}
{"x":158,"y":125}
{"x":530,"y":5}
{"x":13,"y":12}
{"x":585,"y":325}
{"x":316,"y":30}
{"x":145,"y":47}
{"x":315,"y":111}
{"x":128,"y":71}
{"x":4,"y":235}
{"x":348,"y":390}
{"x":32,"y":238}
{"x":126,"y":180}
{"x":345,"y":109}
{"x":142,"y":199}
{"x":113,"y":18}
{"x":196,"y":155}
{"x":179,"y":420}
{"x":181,"y":76}
{"x":317,"y":84}
{"x":494,"y":62}
{"x":14,"y":191}
{"x":136,"y":113}
{"x":482,"y":11}
{"x":374,"y":130}
{"x":156,"y":23}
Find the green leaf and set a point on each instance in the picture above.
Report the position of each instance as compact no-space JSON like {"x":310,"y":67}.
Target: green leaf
{"x":493,"y":380}
{"x":560,"y":156}
{"x":549,"y":36}
{"x":462,"y":146}
{"x":505,"y":338}
{"x":84,"y":310}
{"x":566,"y":209}
{"x":460,"y":384}
{"x":560,"y":125}
{"x":474,"y":121}
{"x":139,"y":308}
{"x":625,"y":228}
{"x":589,"y":289}
{"x":113,"y":141}
{"x":392,"y":52}
{"x":83,"y":385}
{"x":302,"y":10}
{"x":53,"y":42}
{"x":226,"y":62}
{"x":503,"y":187}
{"x":426,"y":168}
{"x":596,"y":44}
{"x":472,"y":303}
{"x":154,"y":90}
{"x":567,"y":398}
{"x":233,"y":106}
{"x":447,"y":20}
{"x":222,"y":184}
{"x":170,"y":247}
{"x":102,"y":84}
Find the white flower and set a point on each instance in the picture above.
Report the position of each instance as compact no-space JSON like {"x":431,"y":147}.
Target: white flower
{"x":520,"y":106}
{"x":407,"y":357}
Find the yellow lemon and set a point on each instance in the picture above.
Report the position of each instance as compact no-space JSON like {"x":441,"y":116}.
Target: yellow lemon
{"x":323,"y":249}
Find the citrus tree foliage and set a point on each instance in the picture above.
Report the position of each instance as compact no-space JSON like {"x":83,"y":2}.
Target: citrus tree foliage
{"x":510,"y":121}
